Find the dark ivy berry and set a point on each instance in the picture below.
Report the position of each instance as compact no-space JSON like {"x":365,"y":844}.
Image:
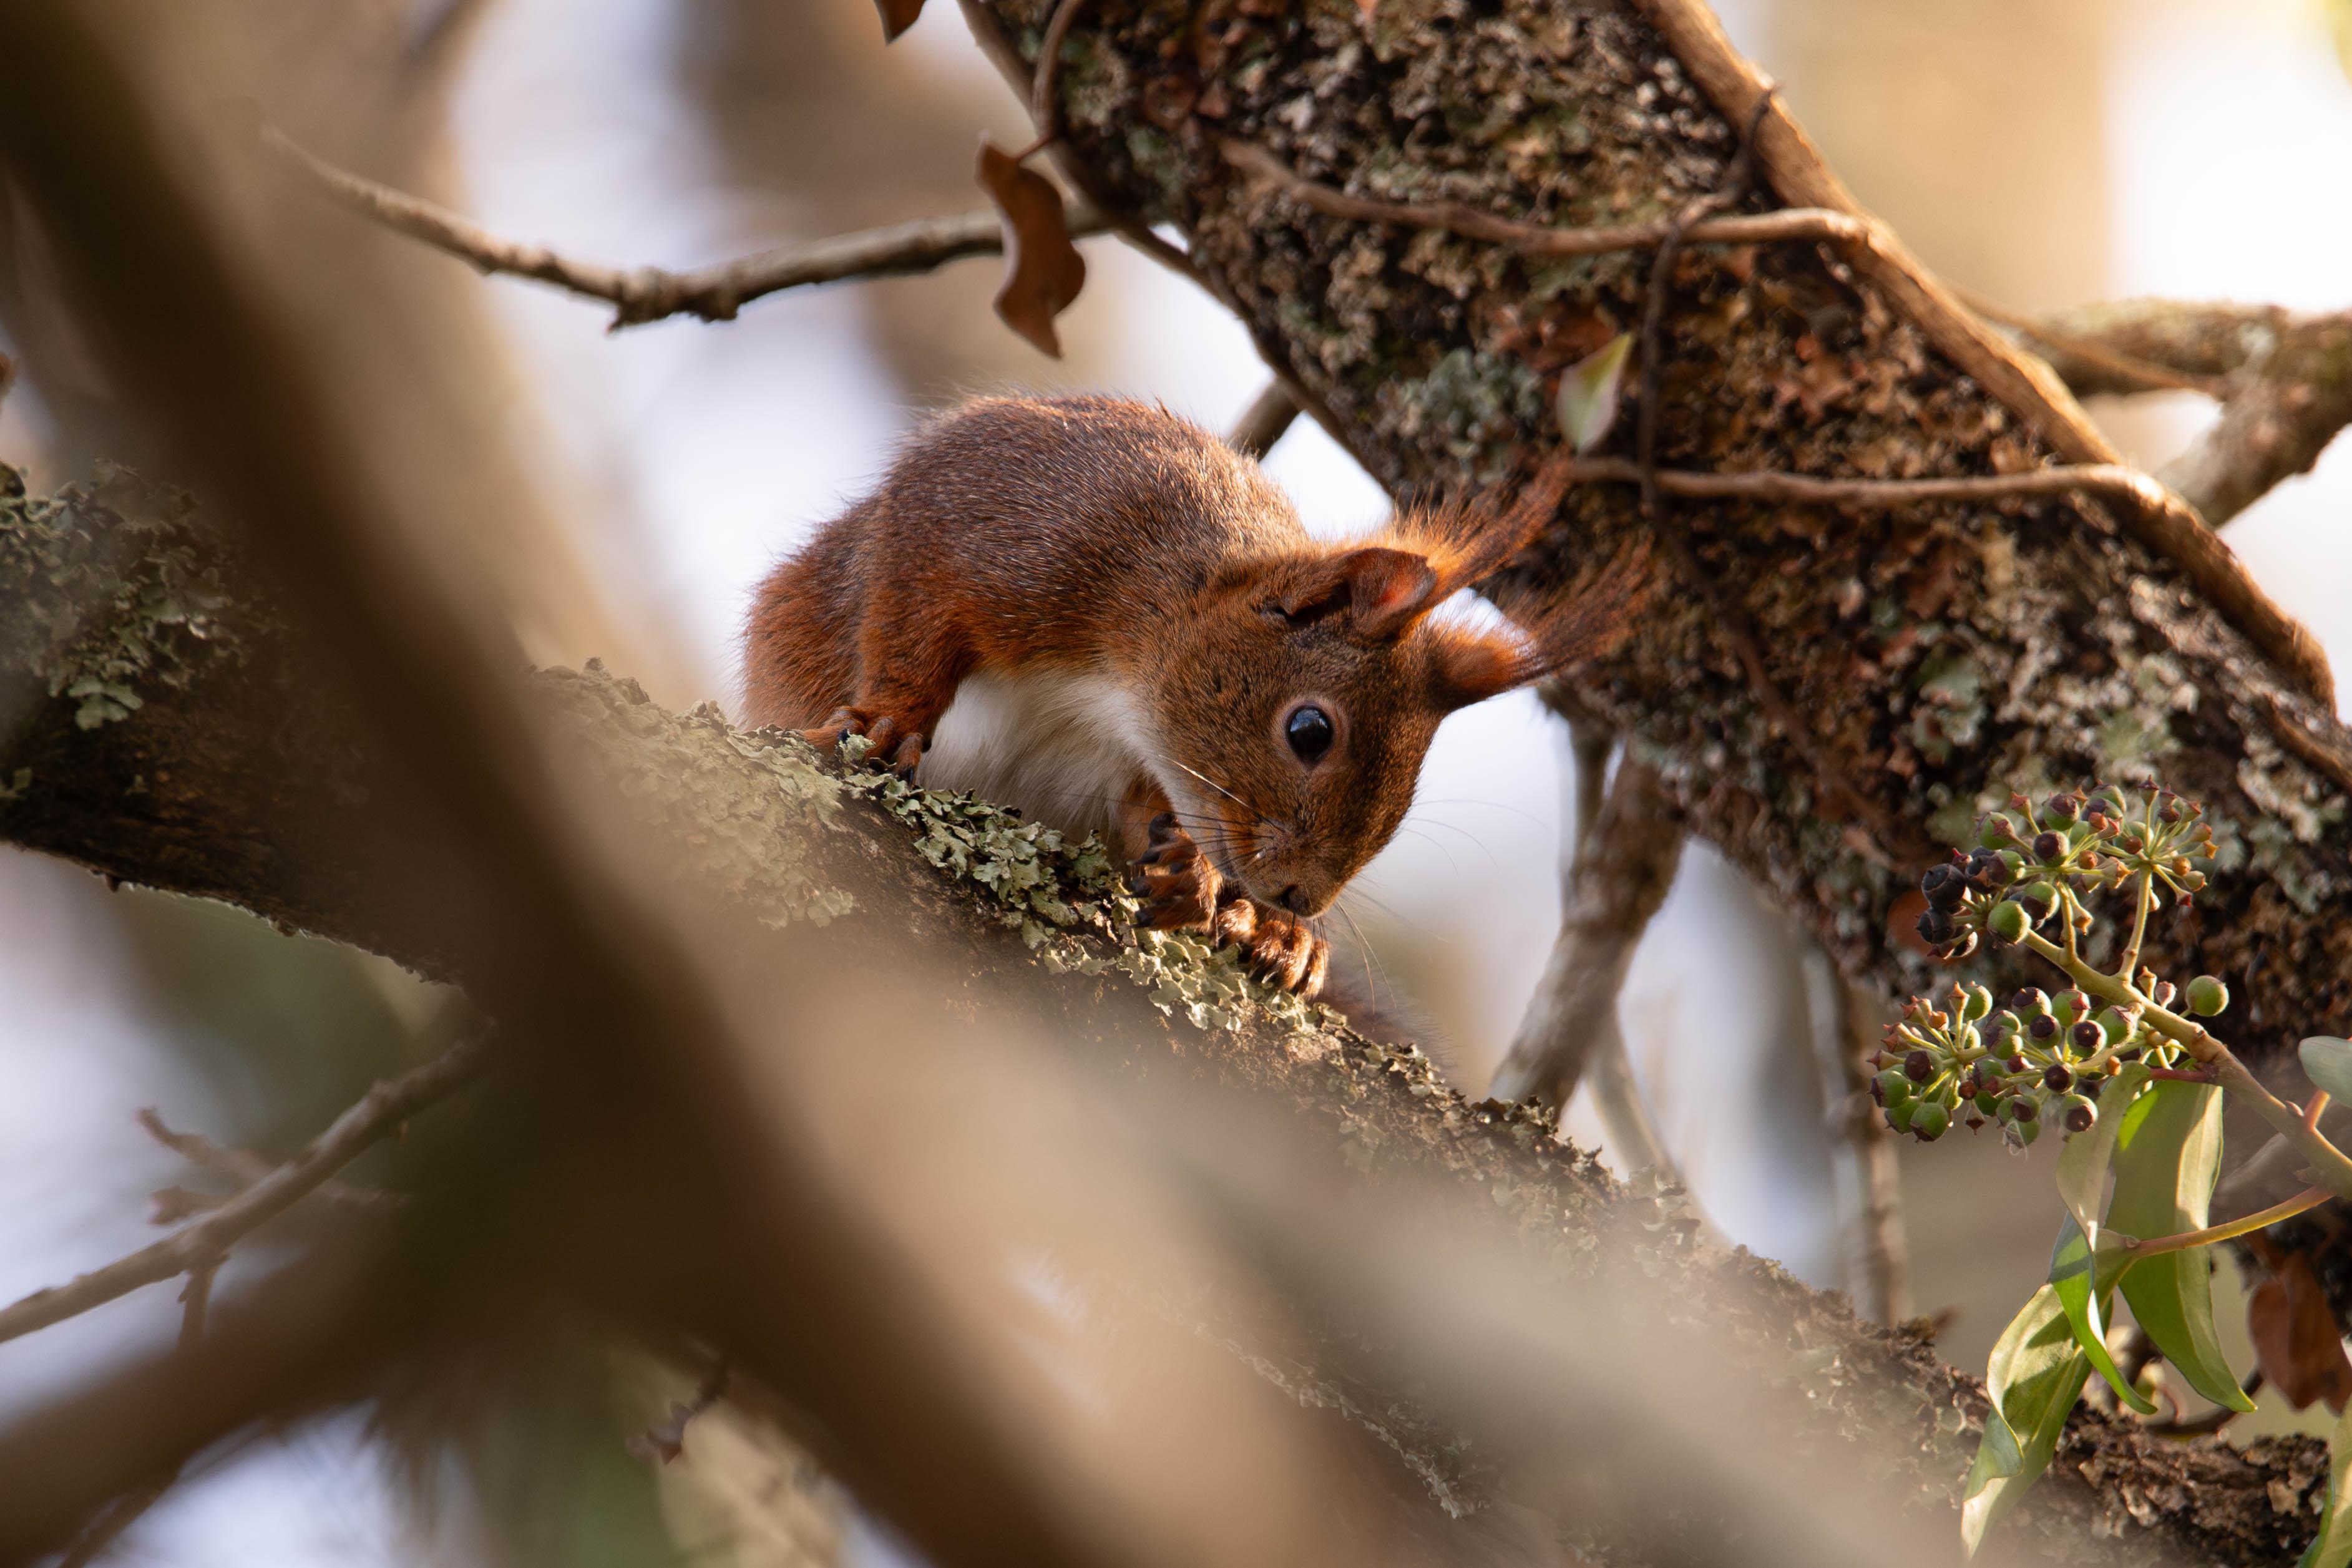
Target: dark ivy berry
{"x":2062,"y":807}
{"x":2048,"y":846}
{"x":2080,"y":1117}
{"x":1945,"y":886}
{"x":2041,"y":1026}
{"x":1936,"y":927}
{"x":2057,"y":1078}
{"x":1919,"y":1067}
{"x":2087,"y":1035}
{"x":2023,"y":1109}
{"x":2030,"y":1001}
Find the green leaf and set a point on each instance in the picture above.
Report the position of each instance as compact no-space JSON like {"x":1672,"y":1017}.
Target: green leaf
{"x":2035,"y":1375}
{"x":2332,"y":1547}
{"x":2166,"y":1162}
{"x":2327,"y":1061}
{"x":2082,"y":1166}
{"x":2081,"y":1279}
{"x":1588,"y":394}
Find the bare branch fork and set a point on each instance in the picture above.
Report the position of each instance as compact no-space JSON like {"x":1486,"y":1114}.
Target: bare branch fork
{"x":646,"y":293}
{"x":197,"y":1249}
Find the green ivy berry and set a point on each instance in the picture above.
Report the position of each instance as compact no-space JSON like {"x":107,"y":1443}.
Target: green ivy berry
{"x":1928,"y":1122}
{"x":1976,"y":1002}
{"x":2008,"y":921}
{"x":2207,"y":995}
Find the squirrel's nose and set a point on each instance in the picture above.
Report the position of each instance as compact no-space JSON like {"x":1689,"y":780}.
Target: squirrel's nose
{"x":1294,"y":899}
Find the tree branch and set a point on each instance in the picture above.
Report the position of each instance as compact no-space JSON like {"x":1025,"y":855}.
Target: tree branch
{"x":1614,"y":887}
{"x":2281,"y":410}
{"x":645,"y":293}
{"x":197,"y":1248}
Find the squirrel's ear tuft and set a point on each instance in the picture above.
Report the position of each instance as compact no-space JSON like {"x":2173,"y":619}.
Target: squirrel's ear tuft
{"x":1381,"y":592}
{"x":1468,"y":666}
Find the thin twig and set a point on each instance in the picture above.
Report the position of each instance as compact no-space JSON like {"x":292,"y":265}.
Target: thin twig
{"x":1266,"y":419}
{"x":645,"y":294}
{"x":1044,"y":101}
{"x":2128,"y":484}
{"x":243,"y":1168}
{"x":201,"y":1243}
{"x":2213,"y":1420}
{"x":1543,"y":239}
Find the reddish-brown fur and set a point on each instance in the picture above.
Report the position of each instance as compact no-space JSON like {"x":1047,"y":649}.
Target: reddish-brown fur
{"x":1101,"y":538}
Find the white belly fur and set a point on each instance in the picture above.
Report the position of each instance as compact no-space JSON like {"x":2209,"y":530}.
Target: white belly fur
{"x":1061,"y":746}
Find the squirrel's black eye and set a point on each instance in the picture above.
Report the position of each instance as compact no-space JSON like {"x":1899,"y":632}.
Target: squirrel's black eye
{"x":1308,"y":730}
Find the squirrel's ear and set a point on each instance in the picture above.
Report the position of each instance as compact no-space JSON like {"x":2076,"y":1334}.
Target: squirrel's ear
{"x":1382,"y":592}
{"x":1468,"y":667}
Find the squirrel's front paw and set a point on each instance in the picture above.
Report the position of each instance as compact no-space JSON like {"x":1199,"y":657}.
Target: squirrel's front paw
{"x":1279,"y":948}
{"x":1175,"y":878}
{"x":896,"y":746}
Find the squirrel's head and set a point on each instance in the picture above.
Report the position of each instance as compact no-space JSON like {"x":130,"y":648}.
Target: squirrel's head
{"x":1296,"y":706}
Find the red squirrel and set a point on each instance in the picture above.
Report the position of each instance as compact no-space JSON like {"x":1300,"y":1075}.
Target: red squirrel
{"x":1100,"y":614}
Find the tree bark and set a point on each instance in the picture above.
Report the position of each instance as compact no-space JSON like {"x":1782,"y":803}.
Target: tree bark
{"x":209,"y":772}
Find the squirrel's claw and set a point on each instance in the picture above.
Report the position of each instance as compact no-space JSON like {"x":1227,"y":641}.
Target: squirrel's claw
{"x":1284,"y":952}
{"x":1179,"y":882}
{"x":895,"y":747}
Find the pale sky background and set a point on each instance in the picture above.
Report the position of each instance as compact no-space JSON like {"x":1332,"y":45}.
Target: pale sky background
{"x":707,"y":451}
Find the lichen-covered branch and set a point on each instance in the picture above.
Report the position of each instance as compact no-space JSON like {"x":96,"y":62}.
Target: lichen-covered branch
{"x":787,"y":842}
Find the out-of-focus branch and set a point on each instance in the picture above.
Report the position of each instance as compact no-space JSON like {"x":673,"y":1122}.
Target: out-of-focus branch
{"x":1614,"y":889}
{"x":1843,"y":1032}
{"x":243,"y":1167}
{"x":2110,"y":346}
{"x":2281,"y":410}
{"x":644,"y":294}
{"x":1266,"y":419}
{"x":1616,"y":1095}
{"x":197,"y":1248}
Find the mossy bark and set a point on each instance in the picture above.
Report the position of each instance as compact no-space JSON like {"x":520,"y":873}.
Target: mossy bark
{"x":221,"y":776}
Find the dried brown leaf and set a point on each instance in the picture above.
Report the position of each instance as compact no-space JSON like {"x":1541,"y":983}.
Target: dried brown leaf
{"x":2296,"y":1341}
{"x":1043,"y":271}
{"x":897,"y":15}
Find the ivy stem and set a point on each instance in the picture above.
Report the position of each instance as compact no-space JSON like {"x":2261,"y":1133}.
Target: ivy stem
{"x":2309,"y":1197}
{"x":2311,"y":1112}
{"x":2147,"y":901}
{"x":2329,"y":1167}
{"x":2202,"y":1075}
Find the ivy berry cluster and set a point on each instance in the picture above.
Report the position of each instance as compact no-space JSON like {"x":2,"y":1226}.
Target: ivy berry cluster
{"x":2040,"y":1057}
